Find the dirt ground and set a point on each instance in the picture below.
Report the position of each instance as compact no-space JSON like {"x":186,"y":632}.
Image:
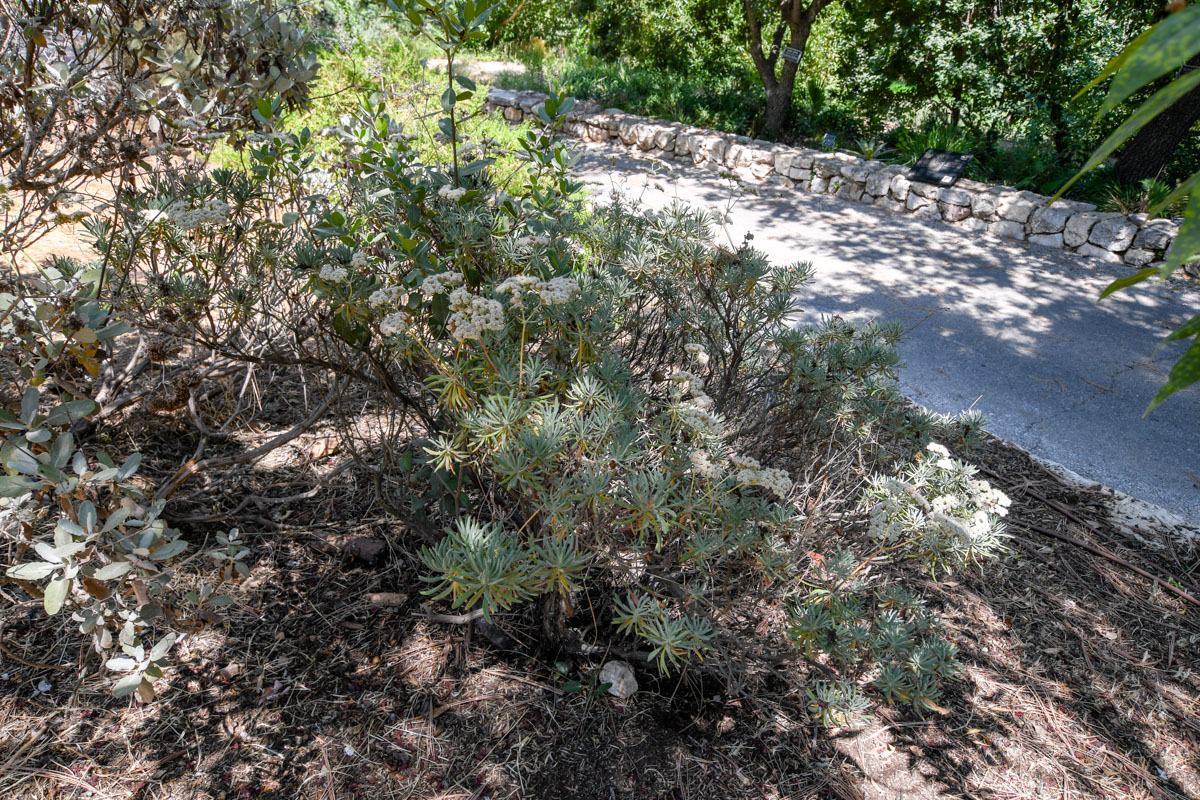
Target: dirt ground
{"x":1081,"y":681}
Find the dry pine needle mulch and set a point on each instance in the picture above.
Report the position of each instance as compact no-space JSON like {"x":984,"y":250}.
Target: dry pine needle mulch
{"x":1082,"y":682}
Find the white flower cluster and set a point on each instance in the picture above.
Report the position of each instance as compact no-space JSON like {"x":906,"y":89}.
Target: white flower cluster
{"x":359,"y":260}
{"x":776,"y":480}
{"x":472,"y":315}
{"x":990,"y":499}
{"x":396,"y":323}
{"x":697,"y":413}
{"x":551,"y":292}
{"x":516,"y":286}
{"x":333,"y":273}
{"x":965,"y":512}
{"x":211,"y":213}
{"x":385,"y":296}
{"x":440,"y":283}
{"x":557,"y":290}
{"x":697,"y":353}
{"x":530,"y":242}
{"x":452,"y":194}
{"x":703,"y":466}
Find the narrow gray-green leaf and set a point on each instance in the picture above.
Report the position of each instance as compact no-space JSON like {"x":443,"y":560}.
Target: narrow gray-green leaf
{"x":1185,"y":372}
{"x":1187,"y":242}
{"x":1116,"y":63}
{"x":1159,"y":102}
{"x":1128,"y":280}
{"x":1186,"y":330}
{"x":1171,"y":44}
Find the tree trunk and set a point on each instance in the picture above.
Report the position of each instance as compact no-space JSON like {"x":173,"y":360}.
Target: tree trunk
{"x":1151,"y":149}
{"x":779,"y":109}
{"x":797,"y":21}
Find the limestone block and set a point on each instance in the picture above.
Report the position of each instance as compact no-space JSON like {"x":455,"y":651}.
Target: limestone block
{"x":900,"y":187}
{"x":915,"y":201}
{"x":1050,"y":220}
{"x":983,"y":205}
{"x":972,"y":224}
{"x":1136,"y":257}
{"x":955,"y":197}
{"x":1079,"y":227}
{"x":1047,"y":239}
{"x":1092,"y":251}
{"x":878,"y":183}
{"x":926,"y":190}
{"x":952,"y":212}
{"x":1157,"y":235}
{"x":1015,"y":209}
{"x":818,"y":184}
{"x":1114,"y":234}
{"x":1007,"y":229}
{"x":928,"y":211}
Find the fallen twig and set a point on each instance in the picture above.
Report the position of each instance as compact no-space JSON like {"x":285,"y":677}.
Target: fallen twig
{"x":1113,"y":557}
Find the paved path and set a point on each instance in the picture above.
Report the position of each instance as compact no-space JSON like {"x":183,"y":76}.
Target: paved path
{"x":1007,"y":328}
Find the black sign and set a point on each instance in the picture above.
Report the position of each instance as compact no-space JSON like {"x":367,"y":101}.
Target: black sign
{"x":792,"y":54}
{"x":940,"y":167}
{"x":829,"y":141}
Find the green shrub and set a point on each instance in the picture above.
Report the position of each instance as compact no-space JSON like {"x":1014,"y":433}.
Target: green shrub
{"x":568,"y":404}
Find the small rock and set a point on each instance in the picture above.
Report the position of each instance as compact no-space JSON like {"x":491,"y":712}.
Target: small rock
{"x":1100,"y":253}
{"x":1007,"y":229}
{"x":1113,"y":234}
{"x":1050,"y":220}
{"x":1047,"y":239}
{"x":953,"y":212}
{"x":620,"y":675}
{"x":1136,"y":257}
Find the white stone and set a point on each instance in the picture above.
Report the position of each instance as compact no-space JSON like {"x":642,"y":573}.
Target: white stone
{"x":973,"y":224}
{"x":915,"y":201}
{"x":1101,"y":253}
{"x":1114,"y":234}
{"x":783,"y":162}
{"x":1047,"y":239}
{"x":983,"y":205}
{"x":1136,"y":257}
{"x":818,"y":184}
{"x":1157,"y":235}
{"x":1050,"y":220}
{"x":1079,"y":227}
{"x":1015,"y":209}
{"x":952,"y":212}
{"x":1007,"y":229}
{"x":900,"y":187}
{"x":955,"y":197}
{"x":926,"y":190}
{"x":878,"y":183}
{"x":620,"y":675}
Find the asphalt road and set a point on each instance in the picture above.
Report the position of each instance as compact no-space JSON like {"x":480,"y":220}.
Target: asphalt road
{"x":1007,"y":328}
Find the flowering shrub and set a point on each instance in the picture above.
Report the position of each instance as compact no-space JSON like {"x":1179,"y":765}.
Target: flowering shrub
{"x":937,"y":513}
{"x":569,"y":403}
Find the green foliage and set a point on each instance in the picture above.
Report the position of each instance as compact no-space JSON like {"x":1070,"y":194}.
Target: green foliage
{"x":1167,"y":46}
{"x":571,"y":404}
{"x":936,"y":513}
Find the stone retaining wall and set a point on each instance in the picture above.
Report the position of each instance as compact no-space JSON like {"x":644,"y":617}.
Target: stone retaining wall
{"x":997,"y":210}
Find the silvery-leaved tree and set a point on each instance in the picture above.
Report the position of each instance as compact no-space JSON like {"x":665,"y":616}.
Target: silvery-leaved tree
{"x":90,"y":89}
